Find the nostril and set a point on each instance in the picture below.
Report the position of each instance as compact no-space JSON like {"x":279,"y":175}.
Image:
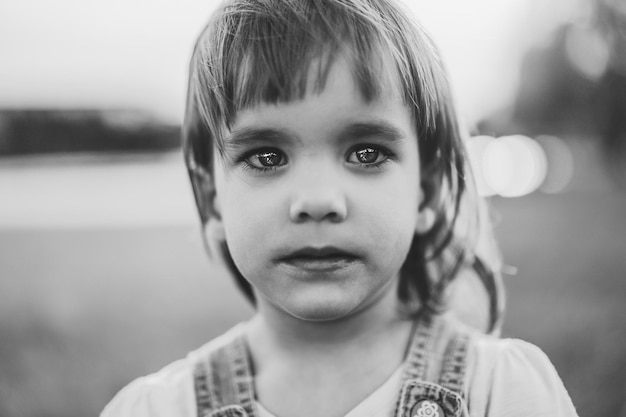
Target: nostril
{"x":318,"y":216}
{"x":332,"y":216}
{"x":320,"y":206}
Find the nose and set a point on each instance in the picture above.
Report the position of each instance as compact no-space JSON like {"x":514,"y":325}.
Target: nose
{"x":320,"y":203}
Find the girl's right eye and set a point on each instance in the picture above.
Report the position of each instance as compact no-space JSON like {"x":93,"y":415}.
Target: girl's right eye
{"x":265,"y":159}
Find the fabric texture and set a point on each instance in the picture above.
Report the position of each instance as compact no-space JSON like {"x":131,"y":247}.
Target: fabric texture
{"x":464,"y":372}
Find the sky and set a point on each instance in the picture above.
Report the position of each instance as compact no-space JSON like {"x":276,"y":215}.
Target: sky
{"x":133,"y":54}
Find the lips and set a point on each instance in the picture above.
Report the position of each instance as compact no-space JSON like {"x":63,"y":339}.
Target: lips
{"x":327,"y":258}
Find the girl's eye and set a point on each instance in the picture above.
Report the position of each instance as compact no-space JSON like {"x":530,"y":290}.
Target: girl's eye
{"x":266,"y":159}
{"x":367,"y":156}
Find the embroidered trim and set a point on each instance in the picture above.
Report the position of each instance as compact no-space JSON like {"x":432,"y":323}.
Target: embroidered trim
{"x":453,"y":369}
{"x":204,"y":401}
{"x":416,"y":362}
{"x":414,"y":392}
{"x":228,"y":411}
{"x":223,"y":379}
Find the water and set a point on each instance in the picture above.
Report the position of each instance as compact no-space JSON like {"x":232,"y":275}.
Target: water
{"x":95,"y":191}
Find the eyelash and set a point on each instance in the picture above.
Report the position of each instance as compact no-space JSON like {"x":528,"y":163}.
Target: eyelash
{"x":386,"y":154}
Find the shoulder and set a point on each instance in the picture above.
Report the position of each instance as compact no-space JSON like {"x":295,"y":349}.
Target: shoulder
{"x":511,"y":377}
{"x":168,"y":392}
{"x":164,"y":393}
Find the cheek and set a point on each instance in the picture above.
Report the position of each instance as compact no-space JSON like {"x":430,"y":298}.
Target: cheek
{"x":395,"y":223}
{"x":251,"y":218}
{"x":390,"y":213}
{"x":396,"y":197}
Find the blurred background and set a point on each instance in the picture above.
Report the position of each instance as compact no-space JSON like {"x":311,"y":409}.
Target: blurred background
{"x":103,"y":277}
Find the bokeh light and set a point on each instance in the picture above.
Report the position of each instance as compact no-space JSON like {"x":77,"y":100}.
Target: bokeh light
{"x":510,"y":166}
{"x":560,"y":165}
{"x":588,"y":51}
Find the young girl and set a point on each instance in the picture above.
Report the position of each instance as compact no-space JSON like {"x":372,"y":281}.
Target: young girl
{"x":329,"y":172}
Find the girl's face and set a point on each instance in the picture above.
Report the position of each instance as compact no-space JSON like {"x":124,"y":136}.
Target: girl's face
{"x":319,"y":198}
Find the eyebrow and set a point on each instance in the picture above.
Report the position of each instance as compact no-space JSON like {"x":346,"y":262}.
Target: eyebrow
{"x":244,"y":138}
{"x":247,"y":136}
{"x":377,"y":129}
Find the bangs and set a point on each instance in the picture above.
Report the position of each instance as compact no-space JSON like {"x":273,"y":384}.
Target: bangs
{"x":283,"y":61}
{"x":278,"y":51}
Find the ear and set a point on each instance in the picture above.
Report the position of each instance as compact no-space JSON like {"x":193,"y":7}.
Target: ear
{"x":214,"y":228}
{"x":430,"y":195}
{"x":207,"y":203}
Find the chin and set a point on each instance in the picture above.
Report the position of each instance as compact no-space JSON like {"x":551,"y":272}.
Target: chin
{"x":322,"y":309}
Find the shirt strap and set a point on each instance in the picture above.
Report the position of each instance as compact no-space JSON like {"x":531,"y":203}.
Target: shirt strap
{"x":421,"y":345}
{"x":455,"y":363}
{"x":434,"y":334}
{"x":224,"y":378}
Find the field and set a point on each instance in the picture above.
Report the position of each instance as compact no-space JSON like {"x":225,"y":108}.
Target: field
{"x":85,"y":310}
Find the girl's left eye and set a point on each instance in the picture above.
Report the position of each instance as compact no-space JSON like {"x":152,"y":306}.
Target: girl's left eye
{"x":266,"y":159}
{"x":367,"y":156}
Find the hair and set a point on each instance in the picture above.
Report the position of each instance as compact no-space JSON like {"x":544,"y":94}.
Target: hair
{"x":261,"y":51}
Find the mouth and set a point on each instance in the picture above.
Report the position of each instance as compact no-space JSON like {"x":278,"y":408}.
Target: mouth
{"x":319,"y":259}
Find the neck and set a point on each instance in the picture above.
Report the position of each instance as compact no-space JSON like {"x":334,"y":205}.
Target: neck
{"x":274,"y":332}
{"x":298,"y":362}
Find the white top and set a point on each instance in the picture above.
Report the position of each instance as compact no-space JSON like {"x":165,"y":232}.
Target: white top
{"x":381,"y":402}
{"x":504,"y":378}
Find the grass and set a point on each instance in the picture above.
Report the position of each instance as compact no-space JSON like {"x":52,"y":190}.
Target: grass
{"x":82,"y":312}
{"x":568,"y":296}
